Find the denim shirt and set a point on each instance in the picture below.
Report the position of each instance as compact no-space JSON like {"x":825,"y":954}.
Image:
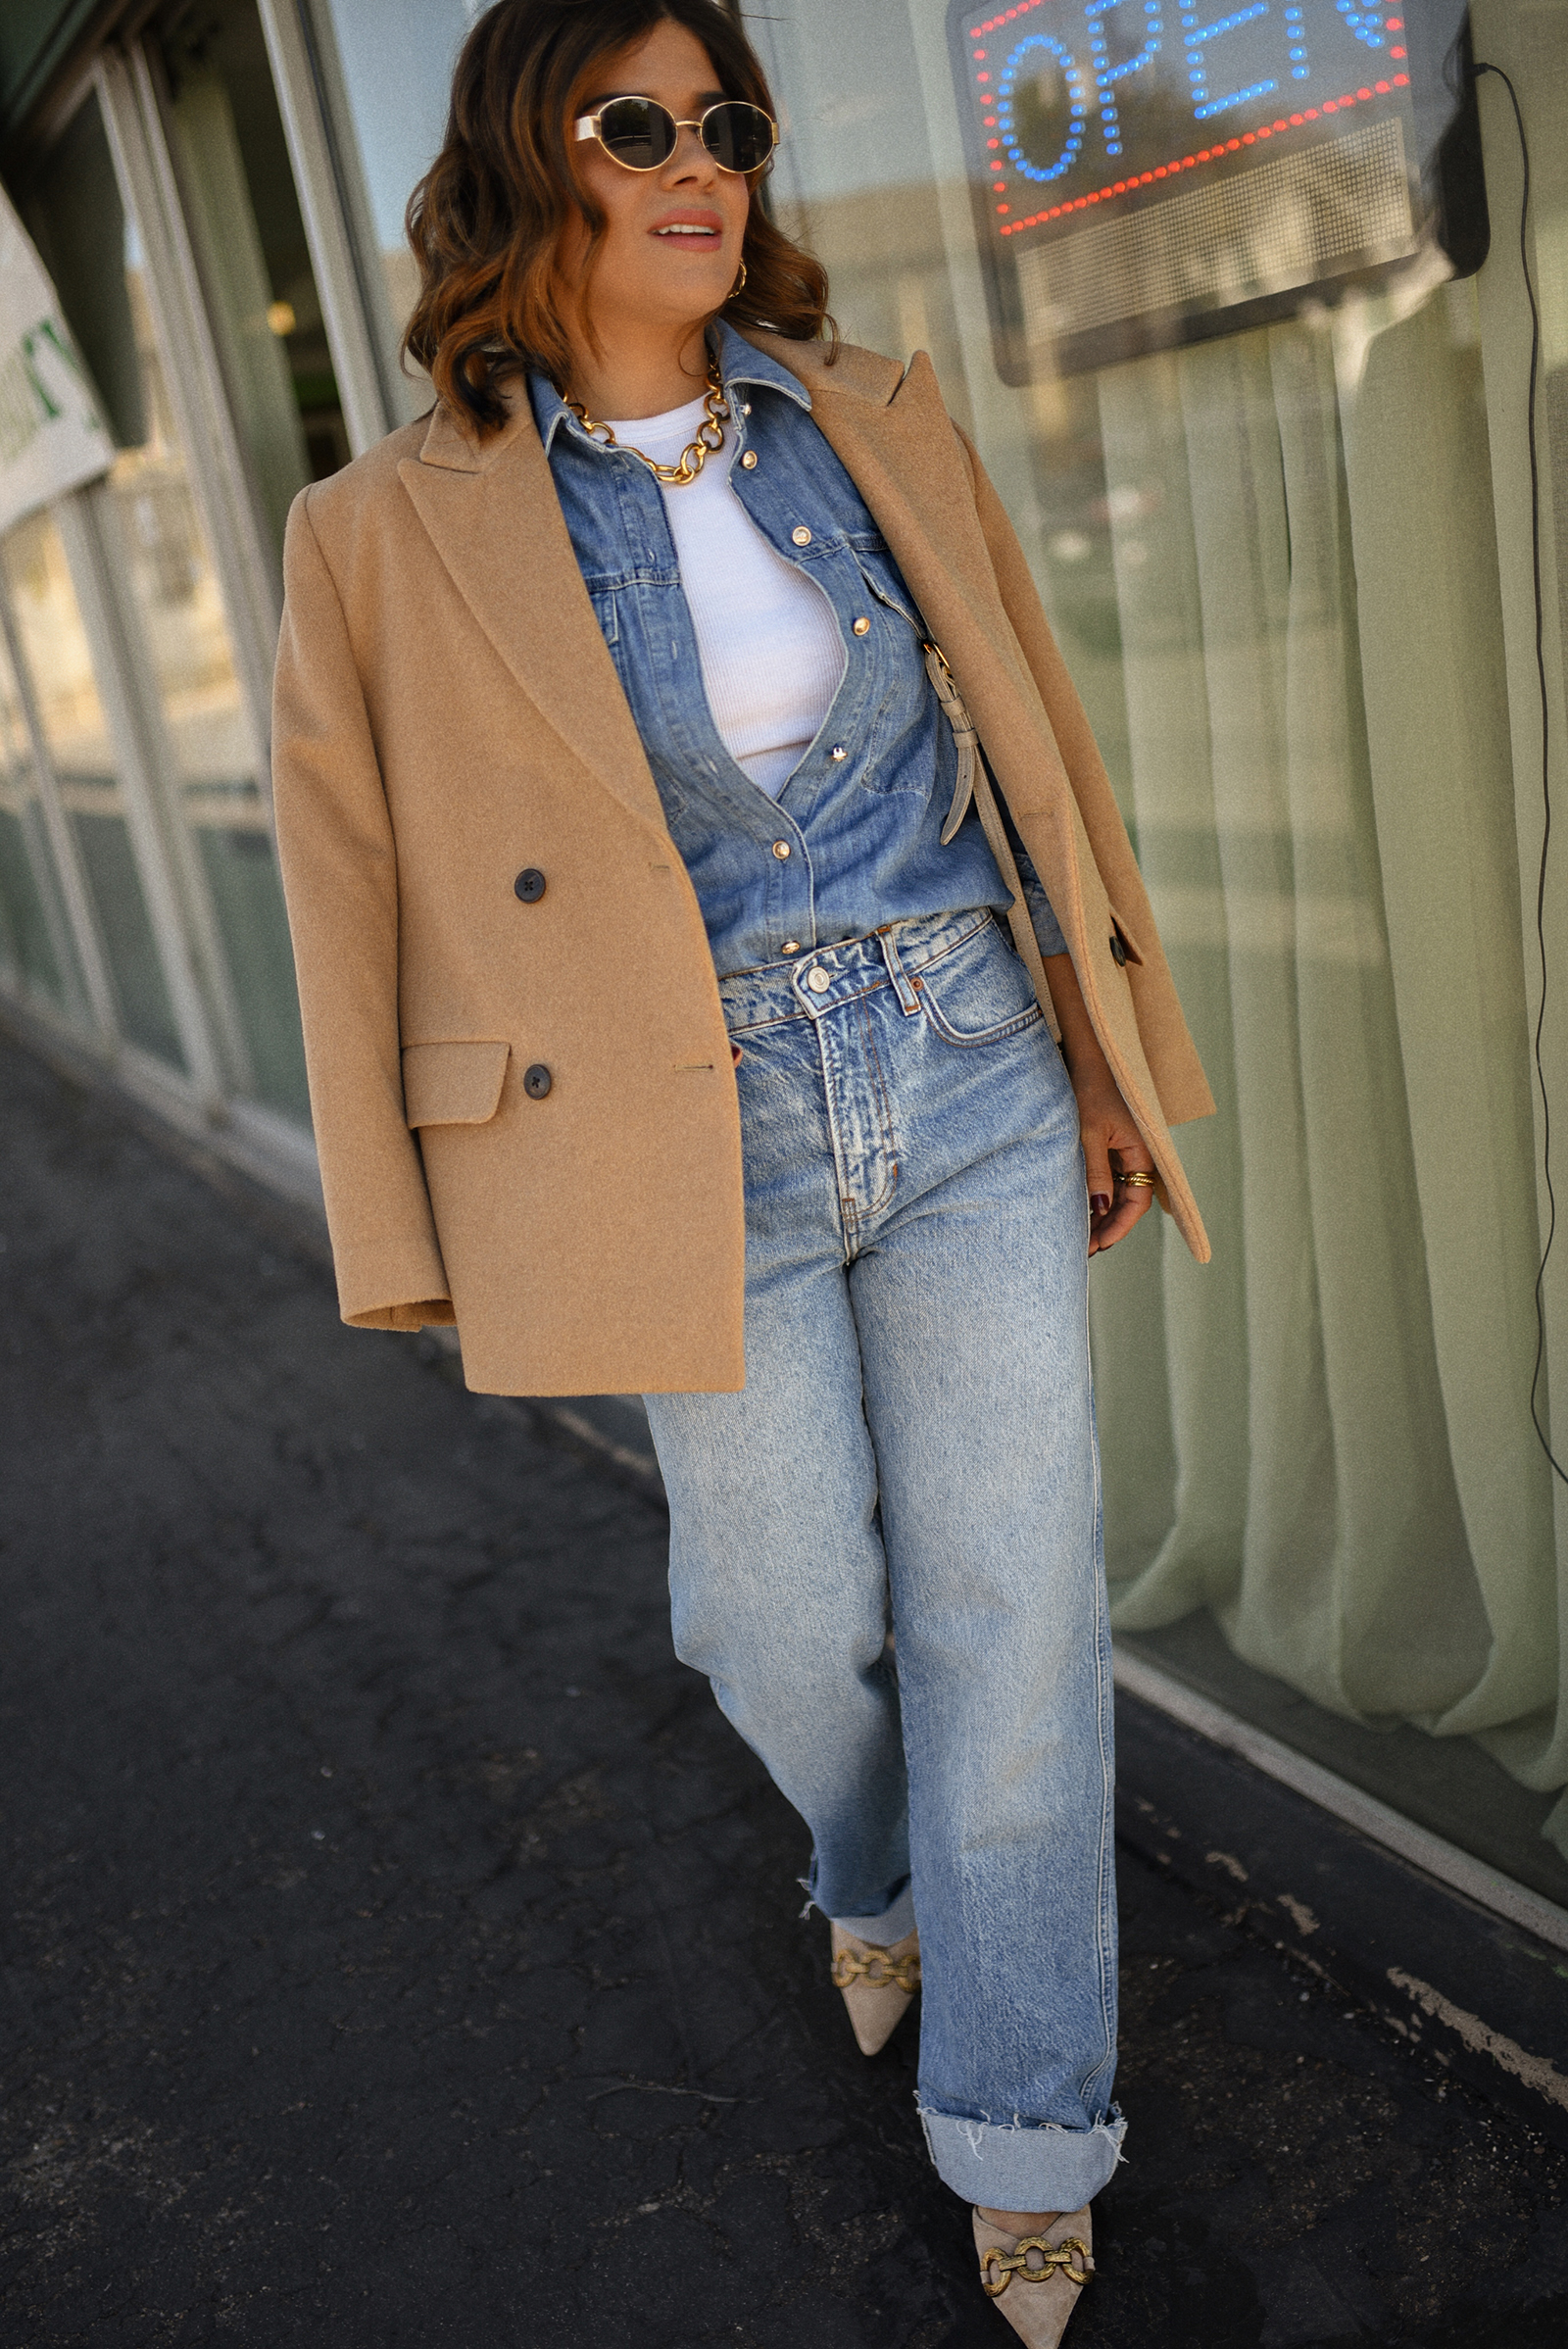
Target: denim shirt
{"x":853,"y":839}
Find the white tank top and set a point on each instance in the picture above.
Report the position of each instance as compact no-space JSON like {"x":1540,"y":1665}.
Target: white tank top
{"x":772,"y":655}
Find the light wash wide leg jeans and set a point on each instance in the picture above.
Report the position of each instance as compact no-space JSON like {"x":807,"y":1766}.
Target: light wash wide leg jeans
{"x":914,"y":1449}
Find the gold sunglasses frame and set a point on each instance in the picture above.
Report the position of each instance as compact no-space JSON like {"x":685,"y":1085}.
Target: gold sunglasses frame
{"x":587,"y":126}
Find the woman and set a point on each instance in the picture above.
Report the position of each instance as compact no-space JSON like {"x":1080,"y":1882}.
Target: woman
{"x":666,"y":1030}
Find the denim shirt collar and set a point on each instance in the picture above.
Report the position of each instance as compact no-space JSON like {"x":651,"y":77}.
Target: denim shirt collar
{"x":739,"y":362}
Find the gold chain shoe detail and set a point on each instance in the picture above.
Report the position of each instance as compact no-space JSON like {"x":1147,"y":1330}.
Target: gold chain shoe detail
{"x":1050,"y":2270}
{"x":877,"y":1984}
{"x":1070,"y":2256}
{"x":879,"y":1969}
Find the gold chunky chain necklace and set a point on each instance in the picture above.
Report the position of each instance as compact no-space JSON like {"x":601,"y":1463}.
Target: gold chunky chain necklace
{"x":709,"y":435}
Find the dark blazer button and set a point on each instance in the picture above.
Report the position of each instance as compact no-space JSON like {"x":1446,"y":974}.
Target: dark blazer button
{"x":536,"y":1081}
{"x":530,"y":885}
{"x":1118,"y":951}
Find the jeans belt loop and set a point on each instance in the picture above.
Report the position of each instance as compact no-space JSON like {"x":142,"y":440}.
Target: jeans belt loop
{"x":903,"y":984}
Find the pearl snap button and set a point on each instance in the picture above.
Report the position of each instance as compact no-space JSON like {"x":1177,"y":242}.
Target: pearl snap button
{"x":838,"y":752}
{"x":781,"y":849}
{"x":819,"y":980}
{"x":863,"y":627}
{"x":749,"y":460}
{"x":802,"y":536}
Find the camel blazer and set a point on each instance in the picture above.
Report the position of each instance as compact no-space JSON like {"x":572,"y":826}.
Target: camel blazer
{"x":447,"y":718}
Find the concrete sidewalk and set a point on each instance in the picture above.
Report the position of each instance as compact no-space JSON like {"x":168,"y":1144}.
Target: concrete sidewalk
{"x":401,"y":1951}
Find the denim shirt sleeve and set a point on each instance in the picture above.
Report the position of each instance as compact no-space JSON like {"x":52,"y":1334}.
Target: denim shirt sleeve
{"x":1048,"y":930}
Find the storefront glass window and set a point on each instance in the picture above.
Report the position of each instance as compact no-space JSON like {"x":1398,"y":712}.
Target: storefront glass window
{"x":58,"y":659}
{"x":394,"y":94}
{"x":195,"y":713}
{"x":245,"y":224}
{"x":1272,"y":557}
{"x":35,"y":949}
{"x":210,"y":754}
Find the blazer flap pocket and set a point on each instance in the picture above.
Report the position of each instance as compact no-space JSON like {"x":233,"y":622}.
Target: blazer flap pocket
{"x":453,"y":1084}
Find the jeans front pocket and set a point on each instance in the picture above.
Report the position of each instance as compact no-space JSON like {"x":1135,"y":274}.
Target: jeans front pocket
{"x":978,"y":992}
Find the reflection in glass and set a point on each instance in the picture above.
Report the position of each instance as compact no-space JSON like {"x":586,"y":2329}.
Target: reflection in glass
{"x":35,"y":948}
{"x":395,"y":95}
{"x":245,"y":222}
{"x":60,"y":670}
{"x":171,"y":578}
{"x":164,"y":571}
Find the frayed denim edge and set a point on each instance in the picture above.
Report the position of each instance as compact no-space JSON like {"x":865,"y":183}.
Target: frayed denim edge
{"x":894,"y":1925}
{"x":1024,"y":2166}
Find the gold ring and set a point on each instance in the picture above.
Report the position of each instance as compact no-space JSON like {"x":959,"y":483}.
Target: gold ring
{"x":1138,"y":1180}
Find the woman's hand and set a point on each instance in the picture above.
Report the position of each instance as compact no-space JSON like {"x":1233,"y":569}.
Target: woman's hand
{"x":1112,"y":1144}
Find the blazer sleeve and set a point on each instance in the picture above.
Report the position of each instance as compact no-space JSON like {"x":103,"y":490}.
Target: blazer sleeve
{"x":1172,"y":1056}
{"x":339,"y":863}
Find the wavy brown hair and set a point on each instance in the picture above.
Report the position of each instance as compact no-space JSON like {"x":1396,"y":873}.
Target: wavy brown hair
{"x":487,"y":221}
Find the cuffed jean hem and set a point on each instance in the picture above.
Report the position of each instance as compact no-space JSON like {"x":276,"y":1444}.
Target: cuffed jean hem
{"x":883,"y":1931}
{"x":1023,"y":2169}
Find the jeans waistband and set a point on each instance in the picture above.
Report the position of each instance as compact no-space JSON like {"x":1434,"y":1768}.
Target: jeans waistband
{"x":831,"y":975}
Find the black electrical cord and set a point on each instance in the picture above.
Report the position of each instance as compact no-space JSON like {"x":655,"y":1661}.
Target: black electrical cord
{"x":1545,"y":759}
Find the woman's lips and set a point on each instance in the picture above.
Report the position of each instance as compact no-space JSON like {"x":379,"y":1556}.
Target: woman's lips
{"x":695,"y":233}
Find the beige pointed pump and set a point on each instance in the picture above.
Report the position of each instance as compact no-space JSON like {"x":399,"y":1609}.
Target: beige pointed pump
{"x":1035,"y":2279}
{"x":877,"y":1984}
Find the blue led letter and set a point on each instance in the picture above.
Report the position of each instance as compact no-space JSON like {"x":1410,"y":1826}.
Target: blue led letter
{"x":1107,"y":76}
{"x":1022,"y":114}
{"x":1366,"y":23}
{"x":1197,"y":37}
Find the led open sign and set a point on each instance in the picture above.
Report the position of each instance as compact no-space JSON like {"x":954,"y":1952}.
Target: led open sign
{"x":1152,"y":172}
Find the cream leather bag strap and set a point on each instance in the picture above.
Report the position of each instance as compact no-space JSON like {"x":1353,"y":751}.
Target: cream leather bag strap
{"x":974,"y":782}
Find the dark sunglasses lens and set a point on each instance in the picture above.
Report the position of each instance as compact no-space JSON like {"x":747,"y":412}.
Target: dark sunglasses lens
{"x":738,"y":137}
{"x":637,"y":132}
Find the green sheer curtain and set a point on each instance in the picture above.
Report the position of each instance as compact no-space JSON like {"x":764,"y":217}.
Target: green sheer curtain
{"x":1330,"y":1444}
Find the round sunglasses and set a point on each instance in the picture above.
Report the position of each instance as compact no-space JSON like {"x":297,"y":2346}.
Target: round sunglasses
{"x":641,"y":134}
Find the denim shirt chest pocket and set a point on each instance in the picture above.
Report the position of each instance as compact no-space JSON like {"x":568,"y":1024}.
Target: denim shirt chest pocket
{"x":633,"y":615}
{"x":905,"y":737}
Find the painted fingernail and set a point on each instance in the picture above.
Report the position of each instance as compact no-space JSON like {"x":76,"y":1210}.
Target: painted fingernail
{"x":1100,"y":1200}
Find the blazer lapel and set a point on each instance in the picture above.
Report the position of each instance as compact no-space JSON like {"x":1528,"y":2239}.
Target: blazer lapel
{"x":485,"y":507}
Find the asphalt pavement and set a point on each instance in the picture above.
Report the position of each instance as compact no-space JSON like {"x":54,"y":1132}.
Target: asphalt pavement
{"x":400,"y":1950}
